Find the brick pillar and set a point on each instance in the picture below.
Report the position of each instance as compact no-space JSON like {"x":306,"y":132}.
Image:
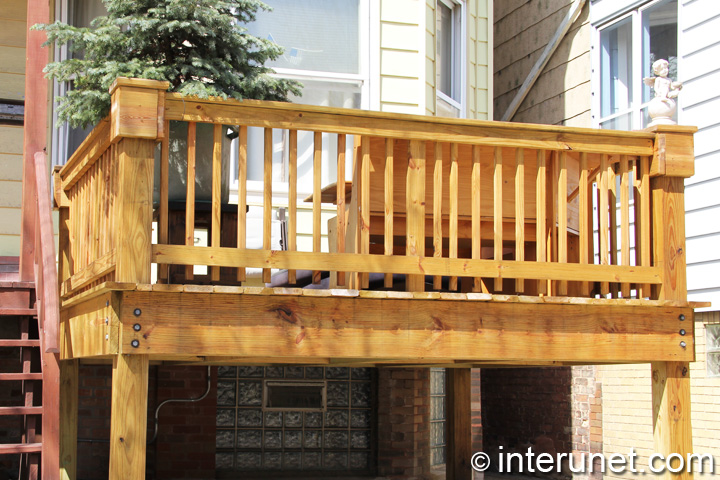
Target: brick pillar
{"x":586,"y":425}
{"x":476,"y":419}
{"x":403,"y":422}
{"x":186,"y":436}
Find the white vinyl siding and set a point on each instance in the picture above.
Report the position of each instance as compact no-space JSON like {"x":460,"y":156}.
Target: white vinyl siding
{"x":699,"y":101}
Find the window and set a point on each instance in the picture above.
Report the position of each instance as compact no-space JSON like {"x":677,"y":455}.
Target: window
{"x":625,"y":48}
{"x":712,"y":348}
{"x":79,"y":13}
{"x":448,"y":57}
{"x":438,"y":422}
{"x":267,"y":419}
{"x":326,"y":49}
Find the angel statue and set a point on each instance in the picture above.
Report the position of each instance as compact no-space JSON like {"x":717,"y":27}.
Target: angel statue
{"x":662,"y":107}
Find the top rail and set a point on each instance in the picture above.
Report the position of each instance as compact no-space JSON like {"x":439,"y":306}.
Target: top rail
{"x":45,"y":267}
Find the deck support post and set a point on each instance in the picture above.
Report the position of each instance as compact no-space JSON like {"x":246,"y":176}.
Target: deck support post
{"x":128,"y":417}
{"x":672,"y":430}
{"x":68,"y":419}
{"x":459,"y":425}
{"x":673,"y":160}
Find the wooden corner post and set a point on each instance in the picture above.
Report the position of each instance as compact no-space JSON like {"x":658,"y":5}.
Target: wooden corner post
{"x":672,"y":162}
{"x":136,"y":123}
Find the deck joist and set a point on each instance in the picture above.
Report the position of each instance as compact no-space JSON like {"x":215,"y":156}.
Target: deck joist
{"x":205,"y":324}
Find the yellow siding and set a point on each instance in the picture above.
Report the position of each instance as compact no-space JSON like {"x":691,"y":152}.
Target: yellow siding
{"x":11,"y":145}
{"x":477,"y":55}
{"x":627,"y":406}
{"x":12,"y":87}
{"x":400,"y":54}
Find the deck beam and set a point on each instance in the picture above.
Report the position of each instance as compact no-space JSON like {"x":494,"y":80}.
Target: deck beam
{"x":283,"y":328}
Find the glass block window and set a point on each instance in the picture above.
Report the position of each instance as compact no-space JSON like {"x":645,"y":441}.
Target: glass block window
{"x":437,"y":416}
{"x":253,"y":438}
{"x":713,"y":350}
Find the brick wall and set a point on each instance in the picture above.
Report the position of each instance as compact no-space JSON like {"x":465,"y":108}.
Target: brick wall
{"x":403,"y":422}
{"x":186,"y":436}
{"x":523,"y":407}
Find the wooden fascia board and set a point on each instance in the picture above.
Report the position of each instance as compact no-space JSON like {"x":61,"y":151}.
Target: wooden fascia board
{"x":281,"y":328}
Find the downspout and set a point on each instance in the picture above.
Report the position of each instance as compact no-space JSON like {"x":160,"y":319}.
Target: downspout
{"x":537,"y":69}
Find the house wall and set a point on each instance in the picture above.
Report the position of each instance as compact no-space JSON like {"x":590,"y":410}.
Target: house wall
{"x":407,"y":57}
{"x":562,"y":94}
{"x":699,"y":48}
{"x":12,"y":87}
{"x":627,"y":406}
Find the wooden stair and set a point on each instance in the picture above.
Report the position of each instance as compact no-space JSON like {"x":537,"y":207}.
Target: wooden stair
{"x":18,"y":319}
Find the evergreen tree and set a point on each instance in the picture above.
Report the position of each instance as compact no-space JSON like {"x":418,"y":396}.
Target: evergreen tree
{"x":200,"y":46}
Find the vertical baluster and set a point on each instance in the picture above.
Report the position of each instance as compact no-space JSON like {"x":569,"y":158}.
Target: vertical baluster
{"x":216,"y":195}
{"x":100,"y":206}
{"x":520,"y":213}
{"x":584,"y":220}
{"x":612,"y":203}
{"x":72,"y":195}
{"x":85,"y":245}
{"x":625,"y":219}
{"x":92,"y":175}
{"x":453,"y":197}
{"x":562,"y":217}
{"x":476,"y":215}
{"x":317,"y":213}
{"x":340,"y":200}
{"x":552,"y":215}
{"x":389,"y":207}
{"x":415,"y":208}
{"x":163,"y":228}
{"x":115,"y":182}
{"x":437,"y":211}
{"x":644,"y":241}
{"x":498,"y":212}
{"x":267,"y":200}
{"x":190,"y":194}
{"x":242,"y":196}
{"x":541,"y":215}
{"x":364,"y":224}
{"x":603,"y":230}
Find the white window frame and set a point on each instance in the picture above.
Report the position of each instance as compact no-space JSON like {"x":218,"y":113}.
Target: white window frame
{"x":609,"y":18}
{"x":711,"y":350}
{"x":458,"y":57}
{"x":255,"y":188}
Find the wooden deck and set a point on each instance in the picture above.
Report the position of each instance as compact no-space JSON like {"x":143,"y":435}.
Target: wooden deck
{"x":518,"y":245}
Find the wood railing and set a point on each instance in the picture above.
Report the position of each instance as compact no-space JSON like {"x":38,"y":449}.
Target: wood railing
{"x":509,"y":208}
{"x":48,"y":304}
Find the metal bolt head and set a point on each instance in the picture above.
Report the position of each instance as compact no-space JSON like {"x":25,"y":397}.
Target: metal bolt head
{"x":135,"y":343}
{"x":107,"y":337}
{"x":137,"y":327}
{"x":683,"y":344}
{"x":682,"y":331}
{"x":107,"y":320}
{"x":682,"y":317}
{"x":137,"y":312}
